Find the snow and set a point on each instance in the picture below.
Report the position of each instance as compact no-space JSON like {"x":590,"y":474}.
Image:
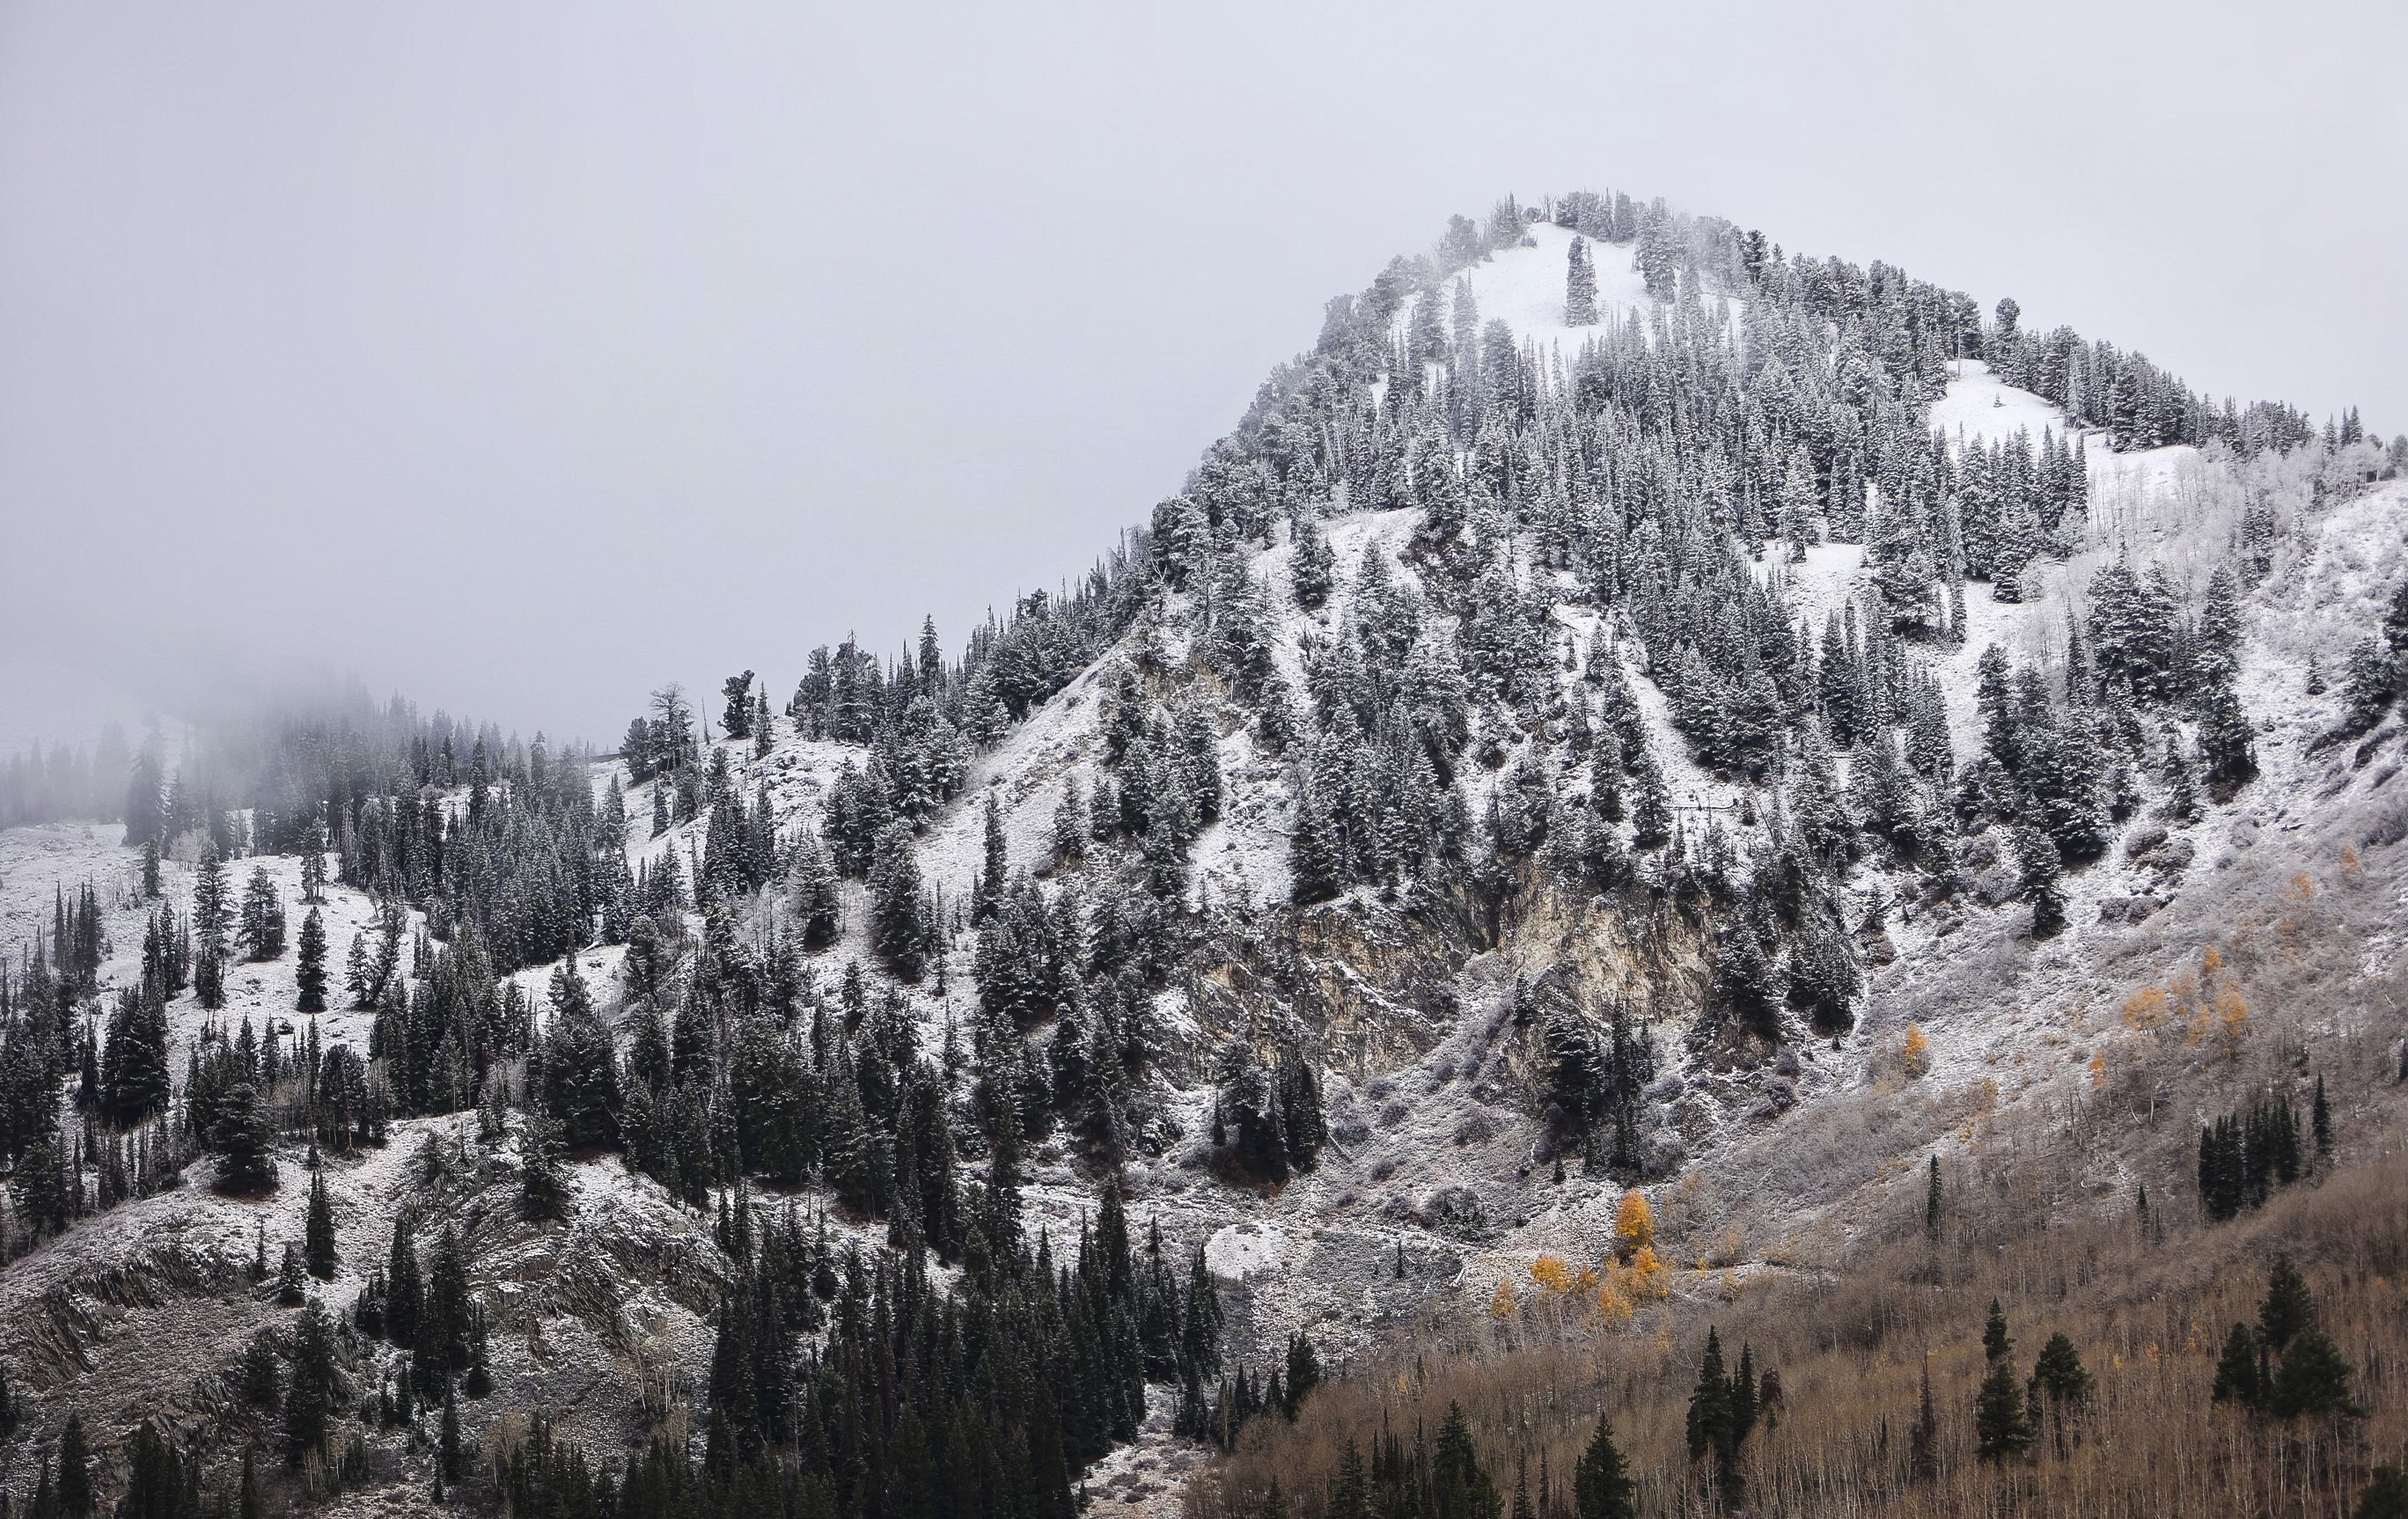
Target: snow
{"x":2020,"y":1023}
{"x":1244,"y":1249}
{"x":35,"y":860}
{"x":1830,"y":578}
{"x":2171,"y":506}
{"x":1443,"y":1114}
{"x":1524,"y":287}
{"x":1979,"y":405}
{"x":2145,"y":497}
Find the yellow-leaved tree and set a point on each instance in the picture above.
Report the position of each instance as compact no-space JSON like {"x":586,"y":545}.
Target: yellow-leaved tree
{"x":2146,"y":1008}
{"x":1647,"y":1276}
{"x":1634,"y":1226}
{"x":1626,"y":1284}
{"x":1500,"y":1302}
{"x":1553,"y":1273}
{"x":1918,"y":1051}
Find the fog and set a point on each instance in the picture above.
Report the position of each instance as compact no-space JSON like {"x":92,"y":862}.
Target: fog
{"x":521,"y":358}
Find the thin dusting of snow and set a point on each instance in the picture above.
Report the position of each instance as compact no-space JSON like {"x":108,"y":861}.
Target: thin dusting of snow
{"x":39,"y":860}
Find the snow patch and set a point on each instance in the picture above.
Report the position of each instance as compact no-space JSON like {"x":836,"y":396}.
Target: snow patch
{"x":1244,"y":1249}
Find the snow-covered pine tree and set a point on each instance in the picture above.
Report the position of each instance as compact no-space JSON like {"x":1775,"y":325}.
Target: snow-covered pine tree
{"x":1580,"y":286}
{"x":262,"y":931}
{"x":899,"y":915}
{"x":311,"y":971}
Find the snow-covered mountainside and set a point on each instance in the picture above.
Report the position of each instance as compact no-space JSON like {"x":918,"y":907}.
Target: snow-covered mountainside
{"x":1627,"y":711}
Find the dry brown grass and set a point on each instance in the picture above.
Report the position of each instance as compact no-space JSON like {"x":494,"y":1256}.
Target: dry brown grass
{"x":2147,"y":1315}
{"x":2175,"y":1023}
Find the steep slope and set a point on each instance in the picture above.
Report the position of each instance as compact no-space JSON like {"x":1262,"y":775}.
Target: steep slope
{"x":1569,"y":758}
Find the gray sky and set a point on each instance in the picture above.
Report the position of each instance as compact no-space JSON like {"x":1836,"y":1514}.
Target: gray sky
{"x":524,"y":356}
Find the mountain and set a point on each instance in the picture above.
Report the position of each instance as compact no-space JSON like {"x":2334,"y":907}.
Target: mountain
{"x":1629,"y":714}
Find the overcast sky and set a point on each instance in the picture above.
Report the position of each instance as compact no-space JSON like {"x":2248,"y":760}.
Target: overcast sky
{"x":524,"y":356}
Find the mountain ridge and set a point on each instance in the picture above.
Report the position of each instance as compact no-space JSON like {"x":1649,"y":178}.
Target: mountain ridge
{"x":1593,"y":805}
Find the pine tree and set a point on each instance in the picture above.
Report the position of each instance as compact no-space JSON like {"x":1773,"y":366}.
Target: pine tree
{"x":580,"y":1065}
{"x":1743,"y":1403}
{"x":2228,"y":749}
{"x":1800,"y":504}
{"x":1316,"y":859}
{"x":1580,"y":286}
{"x":991,"y":875}
{"x":1601,"y":1484}
{"x":210,"y":976}
{"x":1709,"y":1428}
{"x":1996,"y":1344}
{"x":2313,"y":1380}
{"x":2289,"y":1308}
{"x":2320,"y":1120}
{"x":1923,"y":1437}
{"x":1459,"y":1484}
{"x":816,"y":897}
{"x":1312,"y":565}
{"x":210,"y":922}
{"x":1350,"y":1491}
{"x":2384,"y":1496}
{"x":1303,"y":1373}
{"x":898,"y":930}
{"x":1931,"y":1202}
{"x":2370,"y":681}
{"x":1521,"y":1506}
{"x":262,"y":1376}
{"x":244,"y":1139}
{"x":480,"y":1381}
{"x":2001,"y":1425}
{"x":131,"y":1080}
{"x":2041,"y":880}
{"x":404,"y":1292}
{"x":313,"y":863}
{"x":447,"y":1455}
{"x":2059,"y":1373}
{"x":316,"y":1386}
{"x":318,"y":1230}
{"x":356,"y":972}
{"x":543,"y":1177}
{"x":736,"y":716}
{"x":310,"y":973}
{"x":262,"y":918}
{"x":1650,"y":809}
{"x":146,"y":817}
{"x":1070,"y":826}
{"x":75,"y":1470}
{"x":440,"y":1350}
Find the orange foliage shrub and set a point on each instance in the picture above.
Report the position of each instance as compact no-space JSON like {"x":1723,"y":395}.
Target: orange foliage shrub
{"x":2146,"y":1008}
